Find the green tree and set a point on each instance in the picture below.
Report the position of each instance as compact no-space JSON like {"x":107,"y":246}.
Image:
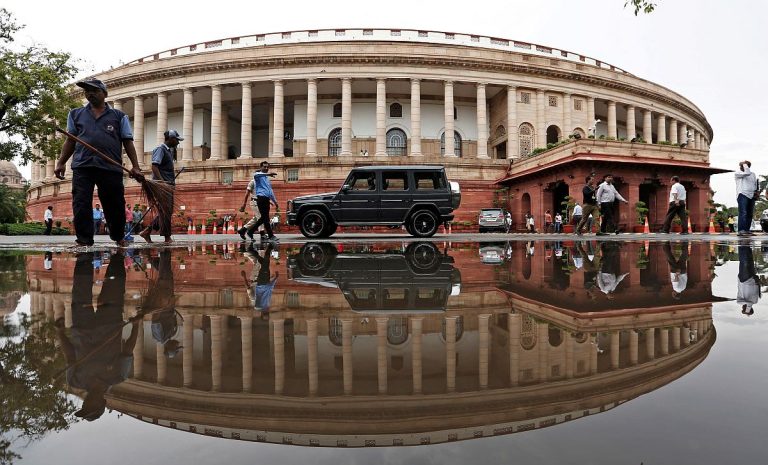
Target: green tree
{"x":641,"y":6}
{"x":13,"y":204}
{"x":33,"y":91}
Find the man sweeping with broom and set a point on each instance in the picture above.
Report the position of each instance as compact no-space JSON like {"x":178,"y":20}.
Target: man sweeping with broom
{"x":162,"y":170}
{"x":102,"y":133}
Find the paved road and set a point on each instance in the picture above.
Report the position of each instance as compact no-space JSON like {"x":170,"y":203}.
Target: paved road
{"x":103,"y":242}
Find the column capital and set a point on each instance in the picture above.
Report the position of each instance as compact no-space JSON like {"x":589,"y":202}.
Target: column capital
{"x":381,"y":79}
{"x":277,"y":81}
{"x":246,"y":83}
{"x":188,"y":89}
{"x":348,"y":79}
{"x":481,"y":85}
{"x":215,"y":86}
{"x":415,"y":80}
{"x":567,"y":94}
{"x":590,"y":99}
{"x":312,"y":79}
{"x":512,"y":87}
{"x":448,"y":83}
{"x":630,"y":107}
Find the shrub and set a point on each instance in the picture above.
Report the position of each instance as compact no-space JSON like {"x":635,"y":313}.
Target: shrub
{"x":30,"y":229}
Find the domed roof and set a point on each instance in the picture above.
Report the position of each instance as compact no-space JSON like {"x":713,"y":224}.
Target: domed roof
{"x":7,"y":168}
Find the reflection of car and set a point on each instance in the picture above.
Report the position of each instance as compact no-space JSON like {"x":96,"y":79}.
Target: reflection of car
{"x":493,"y":219}
{"x":420,"y":279}
{"x":764,"y":221}
{"x":492,"y":254}
{"x":419,"y":197}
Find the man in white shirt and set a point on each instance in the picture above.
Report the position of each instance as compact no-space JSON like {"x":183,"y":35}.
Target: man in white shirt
{"x":677,"y":196}
{"x":48,"y":217}
{"x":606,"y":196}
{"x":577,"y":213}
{"x":748,"y":287}
{"x":678,"y":269}
{"x":746,"y":189}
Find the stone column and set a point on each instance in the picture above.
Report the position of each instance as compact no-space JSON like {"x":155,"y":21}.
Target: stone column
{"x":513,"y":329}
{"x":68,"y":315}
{"x":246,"y":347}
{"x":50,"y":166}
{"x":685,"y":336}
{"x":541,"y":125}
{"x":647,"y":126}
{"x":346,"y":354}
{"x":138,"y":350}
{"x":312,"y":356}
{"x":278,"y":338}
{"x":162,"y":117}
{"x":270,"y":128}
{"x":673,"y":131}
{"x":224,"y":132}
{"x":188,"y":353}
{"x":482,"y":122}
{"x":216,"y":122}
{"x":416,"y":354}
{"x":188,"y":118}
{"x":415,"y":118}
{"x":216,"y":352}
{"x":591,"y":113}
{"x":278,"y":128}
{"x":675,"y":339}
{"x":161,"y":363}
{"x":381,"y":350}
{"x":567,"y":125}
{"x":483,"y":350}
{"x":615,"y":349}
{"x":450,"y":150}
{"x":612,"y":131}
{"x":346,"y":117}
{"x":246,"y":122}
{"x":311,"y":117}
{"x":450,"y":353}
{"x":569,"y":347}
{"x":593,"y":354}
{"x":697,"y":138}
{"x":381,"y":118}
{"x":661,"y":128}
{"x":634,"y":352}
{"x":683,"y":136}
{"x":513,"y":146}
{"x":631,"y":123}
{"x":542,"y":347}
{"x":664,"y":342}
{"x":650,"y":343}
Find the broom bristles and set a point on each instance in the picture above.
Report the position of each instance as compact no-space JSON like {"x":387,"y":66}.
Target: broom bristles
{"x":160,"y":196}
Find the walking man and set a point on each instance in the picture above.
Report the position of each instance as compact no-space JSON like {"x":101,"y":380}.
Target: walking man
{"x":747,"y":190}
{"x":162,"y":170}
{"x":248,"y":226}
{"x":558,"y":222}
{"x":577,"y":214}
{"x":590,"y":204}
{"x":48,"y":217}
{"x":678,"y":269}
{"x":110,"y":131}
{"x":606,"y":196}
{"x":98,"y":217}
{"x":676,"y":206}
{"x":264,"y":195}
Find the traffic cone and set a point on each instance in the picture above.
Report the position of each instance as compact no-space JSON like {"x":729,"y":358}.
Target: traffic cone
{"x":193,"y":229}
{"x":240,"y":225}
{"x":689,"y":225}
{"x":711,"y":226}
{"x":189,"y":228}
{"x":202,"y":231}
{"x":646,"y":228}
{"x":231,"y":229}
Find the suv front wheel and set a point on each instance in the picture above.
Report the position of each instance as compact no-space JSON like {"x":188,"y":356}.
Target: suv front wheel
{"x":423,"y":223}
{"x":316,"y":224}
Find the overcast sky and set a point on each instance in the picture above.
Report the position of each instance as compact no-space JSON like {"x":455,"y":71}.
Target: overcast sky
{"x":711,"y":51}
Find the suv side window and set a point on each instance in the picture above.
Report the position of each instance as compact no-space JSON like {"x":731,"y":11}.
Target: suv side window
{"x":429,"y":180}
{"x":394,"y":181}
{"x":362,"y":181}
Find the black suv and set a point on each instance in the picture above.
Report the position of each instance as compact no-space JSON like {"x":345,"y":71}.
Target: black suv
{"x":419,"y":197}
{"x":419,"y":279}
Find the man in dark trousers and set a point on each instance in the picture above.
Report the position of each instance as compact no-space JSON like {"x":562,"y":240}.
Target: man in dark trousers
{"x":264,"y":195}
{"x":162,"y":170}
{"x":108,"y":130}
{"x":677,"y":197}
{"x":48,"y":216}
{"x":678,"y":269}
{"x":589,"y":203}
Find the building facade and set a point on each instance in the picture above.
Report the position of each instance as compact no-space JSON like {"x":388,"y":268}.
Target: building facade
{"x":316,"y":103}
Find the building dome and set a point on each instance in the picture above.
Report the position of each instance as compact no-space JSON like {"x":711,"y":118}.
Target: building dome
{"x":10,"y":175}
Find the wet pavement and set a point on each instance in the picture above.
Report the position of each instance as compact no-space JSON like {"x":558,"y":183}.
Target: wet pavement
{"x":394,"y":350}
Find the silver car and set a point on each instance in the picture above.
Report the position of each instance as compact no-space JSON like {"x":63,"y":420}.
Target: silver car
{"x":493,"y":219}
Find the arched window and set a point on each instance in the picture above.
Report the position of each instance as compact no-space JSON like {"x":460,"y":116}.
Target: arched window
{"x":397,"y":142}
{"x":337,"y":110}
{"x":459,"y":328}
{"x":553,"y":134}
{"x":334,"y":331}
{"x":395,"y":110}
{"x":500,"y":131}
{"x":334,"y":143}
{"x":456,"y":143}
{"x":397,"y":330}
{"x":580,"y":132}
{"x":526,"y":139}
{"x":528,"y":333}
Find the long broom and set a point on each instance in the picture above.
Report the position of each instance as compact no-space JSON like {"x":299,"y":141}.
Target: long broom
{"x":150,"y":207}
{"x":156,"y":193}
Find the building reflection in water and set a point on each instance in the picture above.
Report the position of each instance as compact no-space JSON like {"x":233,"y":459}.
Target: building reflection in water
{"x":399,"y":343}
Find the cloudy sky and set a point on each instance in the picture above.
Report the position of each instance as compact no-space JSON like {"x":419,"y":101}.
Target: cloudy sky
{"x":711,"y":51}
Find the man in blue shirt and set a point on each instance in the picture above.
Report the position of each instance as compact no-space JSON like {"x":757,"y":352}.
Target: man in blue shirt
{"x":162,"y":170}
{"x":98,"y":217}
{"x":108,"y":130}
{"x":264,"y":195}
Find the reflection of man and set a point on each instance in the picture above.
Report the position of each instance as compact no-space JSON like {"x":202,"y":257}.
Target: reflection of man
{"x":48,"y":261}
{"x":607,"y":279}
{"x":678,"y":269}
{"x":161,"y":303}
{"x":748,"y":287}
{"x":97,"y":357}
{"x":260,"y":289}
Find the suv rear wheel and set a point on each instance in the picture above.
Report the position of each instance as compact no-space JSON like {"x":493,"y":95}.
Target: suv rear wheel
{"x":315,"y":224}
{"x":423,"y":223}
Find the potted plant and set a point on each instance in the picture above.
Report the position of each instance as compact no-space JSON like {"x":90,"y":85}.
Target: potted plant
{"x":641,"y":210}
{"x":568,"y":205}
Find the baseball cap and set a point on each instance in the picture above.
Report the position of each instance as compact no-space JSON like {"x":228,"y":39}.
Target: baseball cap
{"x":173,"y":133}
{"x":92,"y":83}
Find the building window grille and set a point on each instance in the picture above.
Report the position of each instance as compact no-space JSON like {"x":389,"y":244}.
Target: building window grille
{"x":334,"y":143}
{"x":260,"y":38}
{"x":312,"y":33}
{"x":397,"y":144}
{"x":367,"y":32}
{"x":395,"y":110}
{"x":528,"y":333}
{"x":292,"y":299}
{"x":227,"y":298}
{"x":552,"y":101}
{"x":337,"y":110}
{"x":335,"y":331}
{"x":396,"y":33}
{"x":286,"y":35}
{"x":456,"y":143}
{"x":526,"y":139}
{"x":423,"y":34}
{"x":340,"y":32}
{"x":500,"y":42}
{"x":525,"y":97}
{"x":449,"y":36}
{"x":578,"y":105}
{"x":475,"y":38}
{"x":227,"y":176}
{"x":292,"y":175}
